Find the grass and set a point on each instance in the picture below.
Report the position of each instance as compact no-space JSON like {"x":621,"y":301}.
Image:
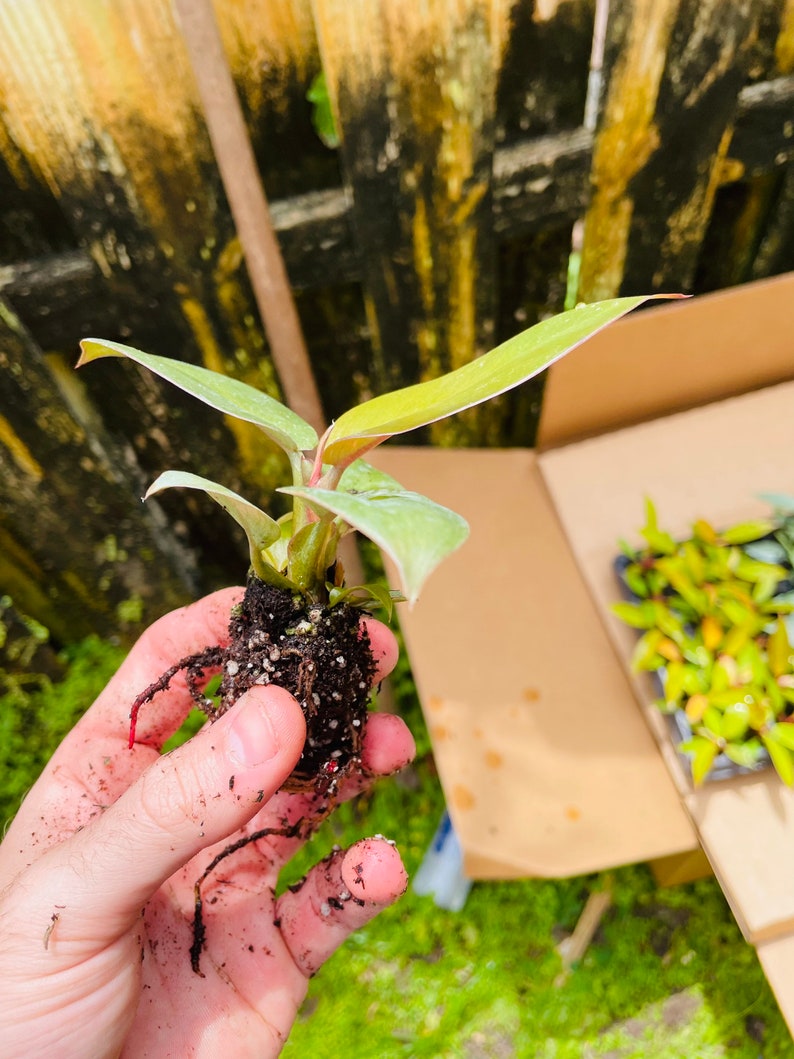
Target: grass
{"x":667,"y":976}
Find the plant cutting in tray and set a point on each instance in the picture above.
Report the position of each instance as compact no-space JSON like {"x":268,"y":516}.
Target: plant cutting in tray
{"x":298,"y":624}
{"x":713,"y":613}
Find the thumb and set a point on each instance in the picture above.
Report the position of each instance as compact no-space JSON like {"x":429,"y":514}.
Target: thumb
{"x":198,"y":795}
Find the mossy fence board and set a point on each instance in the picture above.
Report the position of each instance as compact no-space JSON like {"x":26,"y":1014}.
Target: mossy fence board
{"x":480,"y":140}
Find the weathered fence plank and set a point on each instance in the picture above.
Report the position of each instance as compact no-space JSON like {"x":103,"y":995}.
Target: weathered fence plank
{"x":674,"y":72}
{"x":467,"y":159}
{"x":776,"y":248}
{"x":101,"y":101}
{"x":746,"y":234}
{"x":76,"y":550}
{"x":249,"y":207}
{"x":415,"y":87}
{"x":274,"y":57}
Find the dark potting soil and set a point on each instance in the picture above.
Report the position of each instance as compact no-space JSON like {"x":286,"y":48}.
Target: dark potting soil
{"x":319,"y":654}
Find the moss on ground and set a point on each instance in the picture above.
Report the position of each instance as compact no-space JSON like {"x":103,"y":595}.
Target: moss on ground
{"x":667,"y":976}
{"x":35,"y":715}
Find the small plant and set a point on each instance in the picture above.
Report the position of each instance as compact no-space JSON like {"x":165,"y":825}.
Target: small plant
{"x":298,"y":624}
{"x":712,"y":611}
{"x":296,"y":593}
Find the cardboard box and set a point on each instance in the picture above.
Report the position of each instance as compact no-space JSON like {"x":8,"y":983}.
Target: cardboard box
{"x":552,"y":760}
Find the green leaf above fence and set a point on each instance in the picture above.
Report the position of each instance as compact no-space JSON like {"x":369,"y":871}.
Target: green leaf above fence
{"x":221,"y":392}
{"x":510,"y":364}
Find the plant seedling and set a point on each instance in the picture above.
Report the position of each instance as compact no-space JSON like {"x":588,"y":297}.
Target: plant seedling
{"x":712,"y":611}
{"x":298,"y":624}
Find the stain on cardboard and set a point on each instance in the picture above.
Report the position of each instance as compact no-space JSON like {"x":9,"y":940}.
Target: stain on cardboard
{"x":530,"y":694}
{"x":572,"y":813}
{"x":462,"y":798}
{"x":493,"y":759}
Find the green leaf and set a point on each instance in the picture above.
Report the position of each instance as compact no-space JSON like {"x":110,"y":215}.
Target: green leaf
{"x":745,"y":754}
{"x":369,"y":596}
{"x":778,"y":650}
{"x":276,"y":554}
{"x":744,"y":532}
{"x":674,"y":679}
{"x":766,"y":551}
{"x":703,"y":752}
{"x":515,"y":361}
{"x":260,"y":529}
{"x":674,"y":569}
{"x":633,"y":614}
{"x":361,"y":476}
{"x":783,"y":734}
{"x":635,"y":581}
{"x":735,"y":721}
{"x":227,"y":395}
{"x":712,"y":720}
{"x":322,"y":114}
{"x":782,"y":502}
{"x":415,"y":532}
{"x":308,"y":554}
{"x":646,"y":655}
{"x":781,"y":758}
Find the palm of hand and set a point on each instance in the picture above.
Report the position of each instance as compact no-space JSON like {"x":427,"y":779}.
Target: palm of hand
{"x":98,"y":870}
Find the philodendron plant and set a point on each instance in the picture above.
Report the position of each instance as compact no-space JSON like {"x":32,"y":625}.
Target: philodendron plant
{"x":298,"y":624}
{"x":713,"y":614}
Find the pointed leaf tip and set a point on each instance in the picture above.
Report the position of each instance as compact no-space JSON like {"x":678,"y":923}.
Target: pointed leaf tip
{"x":260,"y":529}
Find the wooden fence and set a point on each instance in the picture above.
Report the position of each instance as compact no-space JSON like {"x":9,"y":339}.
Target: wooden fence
{"x":480,"y":141}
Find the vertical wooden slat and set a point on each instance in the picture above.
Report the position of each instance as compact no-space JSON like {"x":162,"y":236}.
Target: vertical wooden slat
{"x":543,"y":78}
{"x":674,"y":71}
{"x":543,"y":85}
{"x":58,"y":485}
{"x":776,"y":249}
{"x":101,"y":102}
{"x":274,"y":57}
{"x":250,"y":209}
{"x":414,"y":88}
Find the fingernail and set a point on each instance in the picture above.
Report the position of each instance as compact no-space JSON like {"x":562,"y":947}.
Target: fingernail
{"x":252,"y":737}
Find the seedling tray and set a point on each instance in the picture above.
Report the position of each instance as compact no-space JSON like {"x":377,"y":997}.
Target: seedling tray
{"x":676,"y":721}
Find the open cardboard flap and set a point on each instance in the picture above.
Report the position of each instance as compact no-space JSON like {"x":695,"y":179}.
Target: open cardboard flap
{"x":547,"y":764}
{"x":709,"y":462}
{"x":670,"y":357}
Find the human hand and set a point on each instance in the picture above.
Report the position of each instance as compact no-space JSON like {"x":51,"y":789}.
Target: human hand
{"x":97,"y":870}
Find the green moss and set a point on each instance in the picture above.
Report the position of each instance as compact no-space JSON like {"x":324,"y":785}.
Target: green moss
{"x":35,"y":715}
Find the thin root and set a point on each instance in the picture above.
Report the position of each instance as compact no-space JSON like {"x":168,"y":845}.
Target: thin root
{"x":194,"y":667}
{"x":302,"y":828}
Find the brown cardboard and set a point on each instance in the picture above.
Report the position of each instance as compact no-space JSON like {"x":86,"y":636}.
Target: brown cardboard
{"x":547,"y":764}
{"x":777,"y":960}
{"x":708,"y":462}
{"x":671,"y":357}
{"x":545,"y":768}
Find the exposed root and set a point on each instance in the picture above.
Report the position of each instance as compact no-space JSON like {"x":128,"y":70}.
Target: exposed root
{"x":194,"y":667}
{"x":301,"y":828}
